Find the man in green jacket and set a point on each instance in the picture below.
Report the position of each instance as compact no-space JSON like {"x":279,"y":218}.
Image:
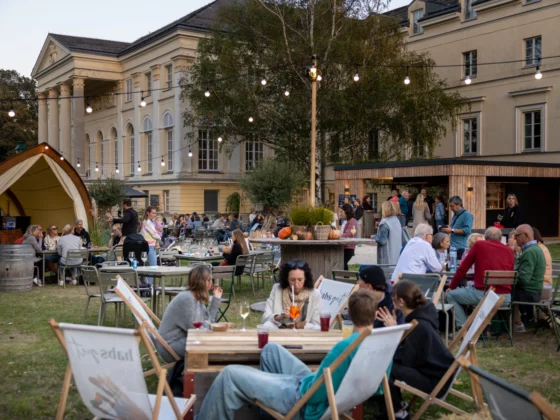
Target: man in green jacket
{"x":530,"y":267}
{"x":283,"y":379}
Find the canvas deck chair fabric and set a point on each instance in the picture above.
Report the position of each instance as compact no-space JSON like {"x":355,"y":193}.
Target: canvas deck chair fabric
{"x":506,"y":401}
{"x":431,"y":284}
{"x":469,"y":335}
{"x":107,"y":370}
{"x":363,"y":378}
{"x":334,"y":296}
{"x":142,"y":313}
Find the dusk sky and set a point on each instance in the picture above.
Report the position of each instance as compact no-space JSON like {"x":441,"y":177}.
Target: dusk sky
{"x":24,"y":24}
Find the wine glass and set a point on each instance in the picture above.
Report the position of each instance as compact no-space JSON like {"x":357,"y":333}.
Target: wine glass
{"x":244,"y":312}
{"x":295,"y":312}
{"x":131,"y":256}
{"x":84,"y":242}
{"x":198,"y":319}
{"x":144,"y":257}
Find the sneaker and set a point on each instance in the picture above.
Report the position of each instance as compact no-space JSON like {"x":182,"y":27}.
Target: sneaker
{"x":36,"y":281}
{"x":61,"y":282}
{"x":402,"y":415}
{"x":74,"y":282}
{"x":518,"y":328}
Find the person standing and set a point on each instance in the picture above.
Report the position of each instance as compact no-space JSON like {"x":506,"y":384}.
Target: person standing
{"x":461,"y":225}
{"x":82,"y":233}
{"x":350,"y":231}
{"x":403,"y":203}
{"x":530,"y":267}
{"x":151,"y":236}
{"x":389,"y":235}
{"x":513,"y":216}
{"x":428,"y":199}
{"x":420,"y":212}
{"x":359,"y":212}
{"x":440,"y":212}
{"x":129,"y":219}
{"x":34,"y":237}
{"x":366,"y":204}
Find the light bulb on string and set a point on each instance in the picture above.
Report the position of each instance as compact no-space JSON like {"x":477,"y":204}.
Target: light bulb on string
{"x":78,"y":164}
{"x":139,"y":167}
{"x":263,"y":81}
{"x":251,"y":119}
{"x":286,"y":93}
{"x":96,"y":167}
{"x":468,"y":80}
{"x":11,"y":112}
{"x":162,"y":161}
{"x":61,"y":157}
{"x":89,"y":109}
{"x":356,"y":77}
{"x":319,"y":77}
{"x":538,"y":74}
{"x":190,"y":153}
{"x":207,"y":93}
{"x":142,"y":101}
{"x":407,"y":79}
{"x":117,"y":170}
{"x":220,"y":139}
{"x":47,"y":147}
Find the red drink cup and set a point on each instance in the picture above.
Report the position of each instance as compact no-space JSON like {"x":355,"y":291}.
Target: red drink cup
{"x":325,"y":318}
{"x":262,"y":335}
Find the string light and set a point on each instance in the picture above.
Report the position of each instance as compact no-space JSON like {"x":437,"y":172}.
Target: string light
{"x":263,"y":81}
{"x":139,"y":167}
{"x":251,"y":119}
{"x":286,"y":92}
{"x":207,"y":93}
{"x":61,"y":157}
{"x":89,"y":109}
{"x":538,"y":74}
{"x":468,"y":80}
{"x":47,"y":147}
{"x":407,"y":79}
{"x":162,"y":161}
{"x":190,"y":153}
{"x":11,"y":112}
{"x":319,"y":77}
{"x":220,"y":139}
{"x":142,"y":101}
{"x":96,"y":167}
{"x":78,"y":164}
{"x":356,"y":77}
{"x":117,"y":169}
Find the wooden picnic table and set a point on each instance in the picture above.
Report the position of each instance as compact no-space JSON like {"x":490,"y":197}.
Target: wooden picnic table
{"x":208,"y":352}
{"x":322,"y":256}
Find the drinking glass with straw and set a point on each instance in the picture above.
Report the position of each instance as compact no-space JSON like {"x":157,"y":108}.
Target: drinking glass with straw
{"x":295,"y":310}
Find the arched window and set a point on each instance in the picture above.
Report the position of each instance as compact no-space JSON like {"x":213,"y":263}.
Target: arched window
{"x":168,"y":127}
{"x":130,"y":135}
{"x":148,"y":134}
{"x":87,"y":164}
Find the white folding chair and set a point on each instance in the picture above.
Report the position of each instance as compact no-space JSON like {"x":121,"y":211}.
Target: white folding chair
{"x":107,"y":370}
{"x":334,"y":296}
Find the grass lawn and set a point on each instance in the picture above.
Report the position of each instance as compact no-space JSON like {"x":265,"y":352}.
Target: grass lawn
{"x":554,"y":251}
{"x":33,"y":362}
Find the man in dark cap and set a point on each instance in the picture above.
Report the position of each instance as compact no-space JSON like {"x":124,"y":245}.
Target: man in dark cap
{"x":372,"y":278}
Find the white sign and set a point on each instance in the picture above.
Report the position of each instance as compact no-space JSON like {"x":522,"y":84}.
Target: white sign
{"x":334,"y":295}
{"x":489,"y":302}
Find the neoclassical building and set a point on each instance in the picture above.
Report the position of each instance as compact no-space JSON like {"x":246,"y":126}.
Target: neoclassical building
{"x":135,"y":129}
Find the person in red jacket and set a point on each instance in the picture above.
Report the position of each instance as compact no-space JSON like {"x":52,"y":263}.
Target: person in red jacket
{"x":489,"y":254}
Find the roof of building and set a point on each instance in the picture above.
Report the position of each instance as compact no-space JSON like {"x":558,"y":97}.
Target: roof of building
{"x":94,"y":45}
{"x":433,"y":9}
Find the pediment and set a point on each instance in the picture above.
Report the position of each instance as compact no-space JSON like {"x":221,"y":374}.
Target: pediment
{"x":51,"y":53}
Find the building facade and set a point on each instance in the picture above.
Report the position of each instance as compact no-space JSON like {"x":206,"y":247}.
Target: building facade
{"x":114,"y":109}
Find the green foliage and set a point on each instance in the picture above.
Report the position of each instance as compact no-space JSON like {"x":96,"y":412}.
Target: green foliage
{"x":23,"y":127}
{"x":272,"y":184}
{"x":233,"y":203}
{"x":310,"y":216}
{"x":279,"y":37}
{"x":107,"y":193}
{"x":99,"y":232}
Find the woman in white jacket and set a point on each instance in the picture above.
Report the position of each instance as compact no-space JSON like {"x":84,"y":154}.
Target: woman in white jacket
{"x":149,"y":232}
{"x":277,"y":312}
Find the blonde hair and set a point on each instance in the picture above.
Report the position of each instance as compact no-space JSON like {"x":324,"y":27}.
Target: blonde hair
{"x":388,"y":209}
{"x":419,"y":200}
{"x":67,"y":229}
{"x":237,"y":235}
{"x":197,"y":282}
{"x":158,"y":218}
{"x":473,"y":237}
{"x":514,"y":197}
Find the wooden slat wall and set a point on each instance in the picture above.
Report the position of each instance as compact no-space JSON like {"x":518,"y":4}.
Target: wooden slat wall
{"x":475,"y":201}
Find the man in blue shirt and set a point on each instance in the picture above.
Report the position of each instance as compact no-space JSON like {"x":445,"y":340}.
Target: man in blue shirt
{"x":461,"y":225}
{"x":403,"y":203}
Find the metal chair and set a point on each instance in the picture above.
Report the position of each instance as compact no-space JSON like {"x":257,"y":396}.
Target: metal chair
{"x":263,"y":263}
{"x":80,"y":255}
{"x":243,"y":265}
{"x":346,"y":276}
{"x":90,"y":275}
{"x":115,"y":264}
{"x":502,"y":278}
{"x":430,"y":284}
{"x":224,"y":274}
{"x":388,"y":270}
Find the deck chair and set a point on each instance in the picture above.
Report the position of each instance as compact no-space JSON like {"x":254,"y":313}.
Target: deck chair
{"x":431,"y":284}
{"x":144,"y":315}
{"x":334,"y":296}
{"x":346,"y":276}
{"x":469,"y":335}
{"x":225,"y":275}
{"x":363,"y":378}
{"x":107,"y":370}
{"x":506,"y":401}
{"x":91,"y":278}
{"x":499,"y":278}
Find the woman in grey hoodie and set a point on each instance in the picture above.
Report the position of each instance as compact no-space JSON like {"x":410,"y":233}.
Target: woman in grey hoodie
{"x":389,"y":235}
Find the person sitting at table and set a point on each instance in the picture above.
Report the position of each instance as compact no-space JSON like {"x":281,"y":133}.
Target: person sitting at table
{"x":512,"y":243}
{"x":489,"y":254}
{"x":372,"y":278}
{"x":441,"y":243}
{"x":158,"y":224}
{"x":68,"y":242}
{"x":283,"y":379}
{"x":473,"y":237}
{"x":547,"y":279}
{"x":182,"y":311}
{"x":239,"y":247}
{"x":116,"y":236}
{"x":197,"y":222}
{"x":82,"y":233}
{"x":421,"y":359}
{"x":294,"y":275}
{"x":418,"y":255}
{"x":50,"y":242}
{"x":34,"y":237}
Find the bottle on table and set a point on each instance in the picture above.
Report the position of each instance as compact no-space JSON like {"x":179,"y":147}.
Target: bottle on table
{"x":452,"y":259}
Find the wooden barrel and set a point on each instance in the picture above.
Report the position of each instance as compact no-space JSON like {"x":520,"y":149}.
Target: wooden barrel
{"x":16,"y":268}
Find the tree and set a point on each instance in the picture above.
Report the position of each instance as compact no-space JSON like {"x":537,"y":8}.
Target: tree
{"x":107,"y":193}
{"x":273,"y":40}
{"x":23,"y":127}
{"x":272,"y":184}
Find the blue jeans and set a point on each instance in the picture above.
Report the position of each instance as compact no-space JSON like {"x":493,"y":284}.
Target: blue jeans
{"x":152,"y":261}
{"x":403,"y":220}
{"x":276,"y":385}
{"x":467,"y":296}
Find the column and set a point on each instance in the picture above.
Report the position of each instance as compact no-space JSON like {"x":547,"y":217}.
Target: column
{"x":156,"y":149}
{"x":120,"y":132}
{"x":53,"y":119}
{"x":43,"y":119}
{"x":79,"y":132}
{"x":138,"y":133}
{"x":181,"y":161}
{"x":65,"y":122}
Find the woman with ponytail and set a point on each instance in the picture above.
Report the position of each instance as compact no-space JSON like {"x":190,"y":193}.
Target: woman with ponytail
{"x":422,"y":358}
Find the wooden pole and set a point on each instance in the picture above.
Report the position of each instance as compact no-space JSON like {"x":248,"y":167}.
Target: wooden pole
{"x":313,"y":133}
